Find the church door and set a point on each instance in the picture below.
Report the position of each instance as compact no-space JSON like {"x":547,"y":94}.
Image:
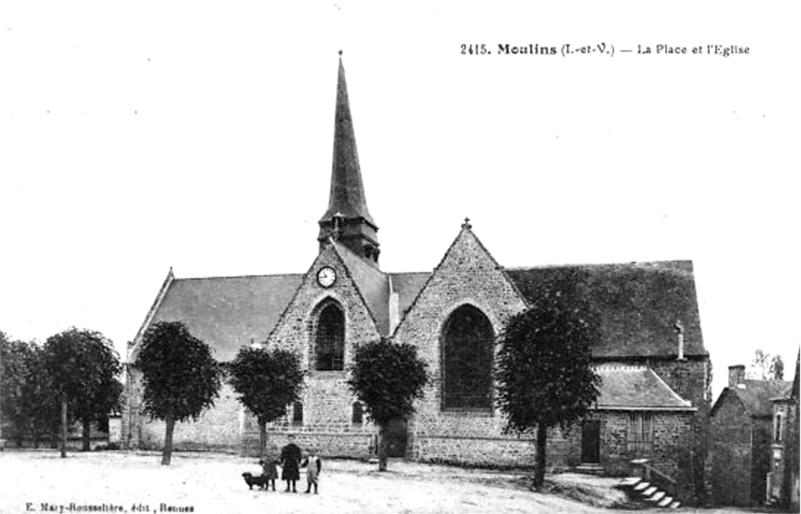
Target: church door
{"x":397,"y":435}
{"x":590,"y":442}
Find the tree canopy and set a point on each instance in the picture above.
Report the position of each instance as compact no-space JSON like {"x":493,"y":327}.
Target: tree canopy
{"x":82,"y":365}
{"x":387,"y":378}
{"x":266,"y":381}
{"x":544,"y":365}
{"x":181,"y":378}
{"x":765,"y":366}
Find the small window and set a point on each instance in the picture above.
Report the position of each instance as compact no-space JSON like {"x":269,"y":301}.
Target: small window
{"x":640,"y":436}
{"x":358,"y":414}
{"x":777,"y":428}
{"x":297,"y":413}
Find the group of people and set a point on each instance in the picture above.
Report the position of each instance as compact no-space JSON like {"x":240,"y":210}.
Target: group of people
{"x":291,"y":461}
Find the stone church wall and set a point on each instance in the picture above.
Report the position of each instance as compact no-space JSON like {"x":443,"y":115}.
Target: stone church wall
{"x":327,"y":402}
{"x":467,"y":275}
{"x":217,"y":429}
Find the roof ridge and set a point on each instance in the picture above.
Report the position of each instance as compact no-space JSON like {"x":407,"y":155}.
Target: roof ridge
{"x":597,"y":264}
{"x":222,"y":277}
{"x":618,"y":366}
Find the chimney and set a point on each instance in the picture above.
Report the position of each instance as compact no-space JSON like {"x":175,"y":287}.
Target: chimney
{"x":680,"y":332}
{"x":736,"y":375}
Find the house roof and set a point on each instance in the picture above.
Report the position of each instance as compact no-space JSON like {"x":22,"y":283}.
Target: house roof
{"x":757,"y":395}
{"x":627,"y":387}
{"x":639,"y":304}
{"x":226,"y":312}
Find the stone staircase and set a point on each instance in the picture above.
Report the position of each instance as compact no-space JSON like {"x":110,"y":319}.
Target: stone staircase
{"x":649,"y":493}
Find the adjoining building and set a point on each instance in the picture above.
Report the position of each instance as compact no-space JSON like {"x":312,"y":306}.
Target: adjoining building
{"x":654,"y":400}
{"x":742,"y":434}
{"x":782,"y":480}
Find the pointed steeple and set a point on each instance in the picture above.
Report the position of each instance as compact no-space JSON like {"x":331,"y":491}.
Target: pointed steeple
{"x":347,"y":218}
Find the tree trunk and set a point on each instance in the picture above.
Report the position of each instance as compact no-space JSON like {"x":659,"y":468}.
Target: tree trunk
{"x":383,"y":447}
{"x":63,"y":428}
{"x":539,"y":459}
{"x":167,"y":454}
{"x":87,"y":430}
{"x":19,"y":436}
{"x":262,"y":439}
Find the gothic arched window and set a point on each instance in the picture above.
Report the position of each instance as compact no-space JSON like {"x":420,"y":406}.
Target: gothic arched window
{"x":467,"y":360}
{"x":329,"y":339}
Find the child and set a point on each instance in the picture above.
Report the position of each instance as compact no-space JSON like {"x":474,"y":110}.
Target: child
{"x":269,"y":472}
{"x":313,"y":467}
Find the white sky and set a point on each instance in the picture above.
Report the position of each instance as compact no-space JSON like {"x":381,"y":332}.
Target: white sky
{"x":138,"y":136}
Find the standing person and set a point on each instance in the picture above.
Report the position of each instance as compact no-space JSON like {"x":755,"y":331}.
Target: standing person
{"x":269,"y":472}
{"x":290,"y":463}
{"x":313,"y":466}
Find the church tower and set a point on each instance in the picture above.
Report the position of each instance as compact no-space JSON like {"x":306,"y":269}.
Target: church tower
{"x":347,"y":219}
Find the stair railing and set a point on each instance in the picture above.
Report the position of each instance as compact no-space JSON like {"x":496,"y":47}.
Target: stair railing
{"x":652,"y":475}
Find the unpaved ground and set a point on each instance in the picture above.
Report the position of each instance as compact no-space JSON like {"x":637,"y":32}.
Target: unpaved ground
{"x":212,"y":483}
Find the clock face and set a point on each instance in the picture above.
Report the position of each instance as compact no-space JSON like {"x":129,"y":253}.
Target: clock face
{"x":326,"y":277}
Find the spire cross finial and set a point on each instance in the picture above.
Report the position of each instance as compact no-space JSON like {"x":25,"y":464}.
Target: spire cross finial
{"x":466,"y":223}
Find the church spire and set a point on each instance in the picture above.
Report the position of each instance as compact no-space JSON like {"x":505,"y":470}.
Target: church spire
{"x":347,"y":218}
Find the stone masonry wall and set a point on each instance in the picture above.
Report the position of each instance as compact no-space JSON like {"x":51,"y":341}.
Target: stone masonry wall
{"x":731,"y":453}
{"x":327,"y":401}
{"x":217,"y":428}
{"x":762,"y":436}
{"x":671,"y":432}
{"x":466,"y":275}
{"x":691,"y":379}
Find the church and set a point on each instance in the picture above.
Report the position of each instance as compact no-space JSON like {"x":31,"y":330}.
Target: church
{"x":653,"y":403}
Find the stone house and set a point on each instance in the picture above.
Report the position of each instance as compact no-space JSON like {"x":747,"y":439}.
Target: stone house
{"x":742,"y":433}
{"x":654,"y":400}
{"x":784,"y":451}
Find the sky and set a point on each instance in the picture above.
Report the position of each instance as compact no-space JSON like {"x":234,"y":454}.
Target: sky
{"x":136,"y":137}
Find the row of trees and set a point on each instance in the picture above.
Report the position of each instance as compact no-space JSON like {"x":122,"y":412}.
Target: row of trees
{"x":544,"y":374}
{"x":46,"y":388}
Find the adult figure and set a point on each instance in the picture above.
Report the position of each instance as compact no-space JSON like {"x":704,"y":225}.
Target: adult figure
{"x":290,"y":464}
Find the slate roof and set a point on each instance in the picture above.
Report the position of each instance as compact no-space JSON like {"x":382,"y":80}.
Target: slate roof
{"x":227,"y":312}
{"x":408,"y":286}
{"x":627,"y":387}
{"x":757,"y":395}
{"x":638,"y":303}
{"x":372,"y":284}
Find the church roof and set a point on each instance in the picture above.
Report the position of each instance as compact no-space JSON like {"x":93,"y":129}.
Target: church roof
{"x":636,"y":388}
{"x":408,"y":286}
{"x":347,"y":191}
{"x":375,"y":287}
{"x":639,"y":304}
{"x":372,"y":284}
{"x":226,"y":312}
{"x":757,"y":395}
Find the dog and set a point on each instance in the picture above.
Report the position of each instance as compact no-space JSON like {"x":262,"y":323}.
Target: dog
{"x":257,"y":480}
